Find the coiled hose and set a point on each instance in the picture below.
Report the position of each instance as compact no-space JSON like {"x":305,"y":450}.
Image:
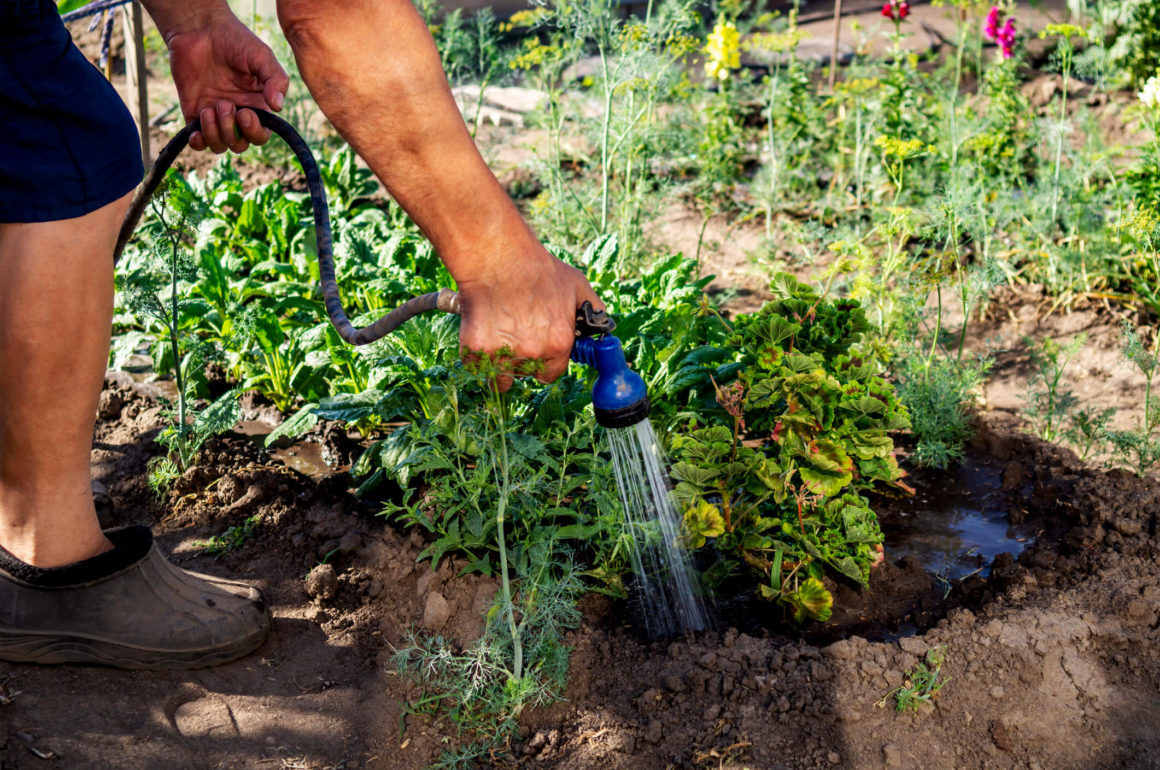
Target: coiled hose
{"x":444,"y":299}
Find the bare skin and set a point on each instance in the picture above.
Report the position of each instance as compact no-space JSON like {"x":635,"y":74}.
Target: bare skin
{"x":375,"y":72}
{"x":56,"y":309}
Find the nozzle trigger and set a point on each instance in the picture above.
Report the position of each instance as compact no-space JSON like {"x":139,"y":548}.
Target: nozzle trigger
{"x":591,"y":322}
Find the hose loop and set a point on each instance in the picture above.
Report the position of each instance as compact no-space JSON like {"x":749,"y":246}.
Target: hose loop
{"x":444,"y":299}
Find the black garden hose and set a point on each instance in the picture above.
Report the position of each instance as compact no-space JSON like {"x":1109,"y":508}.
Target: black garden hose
{"x":444,"y":299}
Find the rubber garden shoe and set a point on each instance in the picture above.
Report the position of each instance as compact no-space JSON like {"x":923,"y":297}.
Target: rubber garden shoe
{"x":128,"y":608}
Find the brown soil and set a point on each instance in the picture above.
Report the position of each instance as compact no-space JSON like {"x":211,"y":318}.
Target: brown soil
{"x":1052,"y":659}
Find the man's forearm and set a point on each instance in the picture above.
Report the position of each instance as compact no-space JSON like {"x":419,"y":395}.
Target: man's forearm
{"x":373,"y":68}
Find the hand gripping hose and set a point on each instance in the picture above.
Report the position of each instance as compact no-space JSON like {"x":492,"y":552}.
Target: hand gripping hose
{"x":619,"y":396}
{"x":444,"y":299}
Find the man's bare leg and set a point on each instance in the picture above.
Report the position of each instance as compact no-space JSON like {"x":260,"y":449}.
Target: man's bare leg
{"x":56,"y":304}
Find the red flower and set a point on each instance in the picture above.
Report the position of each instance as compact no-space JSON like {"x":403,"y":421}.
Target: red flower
{"x":895,"y":10}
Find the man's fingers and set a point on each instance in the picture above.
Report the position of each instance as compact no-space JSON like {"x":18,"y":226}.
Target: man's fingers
{"x":585,"y":293}
{"x":251,"y":128}
{"x":197,"y":141}
{"x":211,"y":131}
{"x":552,"y":370}
{"x":228,"y":126}
{"x":503,"y":382}
{"x":275,"y":89}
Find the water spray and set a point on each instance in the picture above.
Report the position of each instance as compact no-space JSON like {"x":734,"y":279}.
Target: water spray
{"x":669,"y":603}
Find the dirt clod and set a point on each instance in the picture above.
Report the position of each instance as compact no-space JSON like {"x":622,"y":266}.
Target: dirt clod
{"x":322,"y":582}
{"x":436,"y":612}
{"x":110,"y":405}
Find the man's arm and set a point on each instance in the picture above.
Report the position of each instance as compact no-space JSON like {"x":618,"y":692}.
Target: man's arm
{"x":373,"y":68}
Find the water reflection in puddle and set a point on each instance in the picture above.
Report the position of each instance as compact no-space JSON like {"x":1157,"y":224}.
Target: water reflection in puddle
{"x":957,"y":522}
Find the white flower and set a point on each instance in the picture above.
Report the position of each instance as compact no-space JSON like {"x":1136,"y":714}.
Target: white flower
{"x":1150,"y":96}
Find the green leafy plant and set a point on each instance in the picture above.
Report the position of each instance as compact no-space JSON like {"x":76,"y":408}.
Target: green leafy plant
{"x":521,"y":660}
{"x":1139,"y":449}
{"x":921,"y":685}
{"x":153,"y":288}
{"x":819,"y":414}
{"x":1049,"y":400}
{"x":231,"y":539}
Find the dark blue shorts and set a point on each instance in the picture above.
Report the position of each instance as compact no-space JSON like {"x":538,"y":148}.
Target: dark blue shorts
{"x":68,"y":145}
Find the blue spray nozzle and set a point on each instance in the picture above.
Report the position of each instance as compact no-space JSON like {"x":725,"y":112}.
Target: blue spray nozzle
{"x":619,"y":396}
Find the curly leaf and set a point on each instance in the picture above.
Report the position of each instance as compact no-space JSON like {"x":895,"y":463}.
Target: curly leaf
{"x":811,"y":601}
{"x":703,"y":520}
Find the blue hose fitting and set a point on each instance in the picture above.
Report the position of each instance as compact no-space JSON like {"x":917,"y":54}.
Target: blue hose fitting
{"x":619,"y":396}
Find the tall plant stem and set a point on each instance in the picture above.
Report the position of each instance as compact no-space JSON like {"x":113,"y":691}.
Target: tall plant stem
{"x":937,"y":332}
{"x":500,"y":516}
{"x":1059,"y":140}
{"x":605,"y":130}
{"x":962,"y":29}
{"x":1145,"y":426}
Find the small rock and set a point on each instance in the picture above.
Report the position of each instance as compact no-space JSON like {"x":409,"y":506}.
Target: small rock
{"x":997,"y":692}
{"x":1002,"y":737}
{"x":322,"y":582}
{"x":654,"y":732}
{"x":834,"y":758}
{"x":110,"y":405}
{"x":675,"y":683}
{"x":782,"y":705}
{"x":712,"y":713}
{"x":891,"y":755}
{"x":436,"y":611}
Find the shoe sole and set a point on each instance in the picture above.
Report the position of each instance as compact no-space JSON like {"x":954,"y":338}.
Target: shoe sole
{"x":57,"y":650}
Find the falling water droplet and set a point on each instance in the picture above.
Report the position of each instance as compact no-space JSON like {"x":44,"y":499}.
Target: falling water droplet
{"x":664,"y":576}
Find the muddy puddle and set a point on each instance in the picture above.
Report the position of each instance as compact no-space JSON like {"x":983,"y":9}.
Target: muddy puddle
{"x":306,"y":457}
{"x":956,"y":523}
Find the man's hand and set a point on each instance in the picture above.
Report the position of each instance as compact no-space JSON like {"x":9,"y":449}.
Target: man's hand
{"x":219,"y":66}
{"x":529,"y":306}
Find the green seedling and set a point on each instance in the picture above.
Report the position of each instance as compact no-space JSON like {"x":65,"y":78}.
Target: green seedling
{"x":921,"y":685}
{"x":231,"y":539}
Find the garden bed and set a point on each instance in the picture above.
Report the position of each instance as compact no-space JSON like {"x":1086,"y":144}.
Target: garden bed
{"x":1051,"y":658}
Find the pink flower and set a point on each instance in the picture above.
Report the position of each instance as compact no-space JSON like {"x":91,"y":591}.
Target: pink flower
{"x":1006,"y":39}
{"x":895,"y":10}
{"x":991,"y":30}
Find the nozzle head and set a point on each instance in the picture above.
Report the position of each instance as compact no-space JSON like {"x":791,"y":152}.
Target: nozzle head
{"x":619,"y":397}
